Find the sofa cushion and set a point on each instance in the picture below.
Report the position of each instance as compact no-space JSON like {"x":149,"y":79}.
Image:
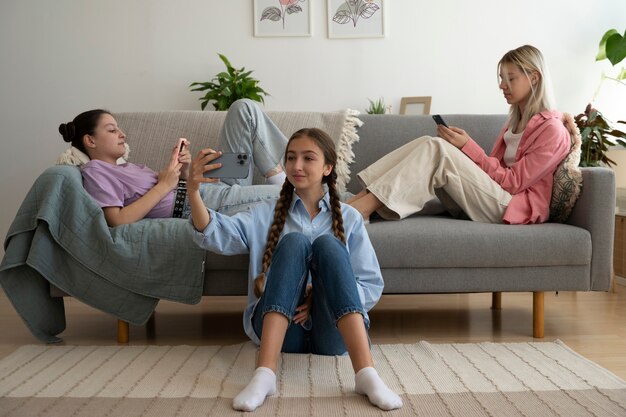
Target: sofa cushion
{"x":568,"y":179}
{"x":443,"y":242}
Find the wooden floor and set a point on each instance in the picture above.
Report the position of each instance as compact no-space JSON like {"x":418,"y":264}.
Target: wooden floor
{"x":592,"y":324}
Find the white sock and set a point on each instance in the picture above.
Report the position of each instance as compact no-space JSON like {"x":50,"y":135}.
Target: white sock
{"x":262,"y":384}
{"x":277,"y":179}
{"x":368,"y":382}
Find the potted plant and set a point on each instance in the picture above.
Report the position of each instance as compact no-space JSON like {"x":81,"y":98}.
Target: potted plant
{"x":227,"y":87}
{"x":597,"y":133}
{"x":378,"y":107}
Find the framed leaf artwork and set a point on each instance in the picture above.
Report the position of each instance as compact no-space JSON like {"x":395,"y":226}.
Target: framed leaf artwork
{"x":282,"y":18}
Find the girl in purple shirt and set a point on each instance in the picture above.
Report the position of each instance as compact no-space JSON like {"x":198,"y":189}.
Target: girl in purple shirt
{"x":130,"y":192}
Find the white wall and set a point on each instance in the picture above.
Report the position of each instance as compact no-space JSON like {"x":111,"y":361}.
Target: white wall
{"x":63,"y":57}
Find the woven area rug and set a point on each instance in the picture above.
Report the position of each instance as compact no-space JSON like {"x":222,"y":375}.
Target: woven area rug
{"x":486,"y":379}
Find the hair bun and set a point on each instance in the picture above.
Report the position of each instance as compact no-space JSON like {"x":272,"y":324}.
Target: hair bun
{"x":67,"y":130}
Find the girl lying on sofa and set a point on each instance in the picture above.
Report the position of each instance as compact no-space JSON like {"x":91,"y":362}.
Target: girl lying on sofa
{"x":130,"y":192}
{"x":511,"y":185}
{"x":306,"y":233}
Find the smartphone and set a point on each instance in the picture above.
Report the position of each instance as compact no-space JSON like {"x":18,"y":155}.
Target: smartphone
{"x":234,"y":165}
{"x":439,"y":120}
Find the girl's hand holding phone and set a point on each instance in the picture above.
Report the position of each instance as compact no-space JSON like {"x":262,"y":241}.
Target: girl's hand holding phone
{"x":454,"y":135}
{"x":199,"y":165}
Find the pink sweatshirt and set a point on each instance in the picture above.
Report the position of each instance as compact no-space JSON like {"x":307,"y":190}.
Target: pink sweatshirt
{"x":544,"y":144}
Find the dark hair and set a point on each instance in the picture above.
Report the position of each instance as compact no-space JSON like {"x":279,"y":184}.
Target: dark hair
{"x":83,"y":124}
{"x":326,"y":144}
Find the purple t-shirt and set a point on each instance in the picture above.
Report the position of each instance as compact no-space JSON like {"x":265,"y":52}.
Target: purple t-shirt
{"x":120,"y":185}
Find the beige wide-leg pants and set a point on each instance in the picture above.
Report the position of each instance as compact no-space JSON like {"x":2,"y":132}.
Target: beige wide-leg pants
{"x":407,"y":178}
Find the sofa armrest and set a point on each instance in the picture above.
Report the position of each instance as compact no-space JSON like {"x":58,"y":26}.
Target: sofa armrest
{"x":595,"y":212}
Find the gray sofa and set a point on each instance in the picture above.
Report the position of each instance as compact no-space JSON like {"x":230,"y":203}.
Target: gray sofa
{"x":423,"y":253}
{"x":440,"y":254}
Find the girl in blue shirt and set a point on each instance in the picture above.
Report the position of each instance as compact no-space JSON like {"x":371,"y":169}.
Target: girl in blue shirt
{"x":312,"y":277}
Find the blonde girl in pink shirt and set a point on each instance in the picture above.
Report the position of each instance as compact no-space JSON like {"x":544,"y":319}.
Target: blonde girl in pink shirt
{"x":513,"y":184}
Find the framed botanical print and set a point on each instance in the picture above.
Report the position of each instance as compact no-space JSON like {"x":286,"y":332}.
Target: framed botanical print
{"x":282,"y":18}
{"x":356,"y":18}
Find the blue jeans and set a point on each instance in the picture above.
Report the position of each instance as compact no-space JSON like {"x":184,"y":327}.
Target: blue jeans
{"x":248,"y":130}
{"x":334,"y":292}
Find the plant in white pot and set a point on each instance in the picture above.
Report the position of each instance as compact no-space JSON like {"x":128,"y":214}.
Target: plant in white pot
{"x":597,"y":133}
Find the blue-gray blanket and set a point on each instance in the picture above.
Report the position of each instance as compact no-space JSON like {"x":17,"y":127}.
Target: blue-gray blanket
{"x":60,"y":236}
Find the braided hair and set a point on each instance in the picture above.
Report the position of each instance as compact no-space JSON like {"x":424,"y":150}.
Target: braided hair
{"x":327,"y":146}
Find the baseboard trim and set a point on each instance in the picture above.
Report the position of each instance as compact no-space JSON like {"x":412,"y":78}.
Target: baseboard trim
{"x":620,"y":280}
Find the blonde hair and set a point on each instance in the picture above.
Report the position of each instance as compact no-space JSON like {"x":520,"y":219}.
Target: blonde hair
{"x":326,"y":144}
{"x":528,"y":60}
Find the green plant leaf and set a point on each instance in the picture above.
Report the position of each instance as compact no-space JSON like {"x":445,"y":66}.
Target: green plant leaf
{"x":602,"y":47}
{"x":225,"y":61}
{"x":616,"y":48}
{"x":622,"y":75}
{"x":256,"y":97}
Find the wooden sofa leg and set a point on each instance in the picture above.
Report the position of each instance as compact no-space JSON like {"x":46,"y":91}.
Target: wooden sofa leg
{"x":538,"y":314}
{"x":122,"y":331}
{"x":496,"y":301}
{"x":151,"y":326}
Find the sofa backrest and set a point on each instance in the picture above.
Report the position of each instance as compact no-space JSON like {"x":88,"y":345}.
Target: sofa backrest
{"x":151,"y":135}
{"x":380,"y":134}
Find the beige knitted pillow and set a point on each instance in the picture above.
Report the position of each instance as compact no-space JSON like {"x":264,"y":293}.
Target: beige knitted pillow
{"x":568,"y":179}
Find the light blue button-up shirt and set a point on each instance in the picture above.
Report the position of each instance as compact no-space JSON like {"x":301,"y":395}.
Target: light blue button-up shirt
{"x":246,"y":232}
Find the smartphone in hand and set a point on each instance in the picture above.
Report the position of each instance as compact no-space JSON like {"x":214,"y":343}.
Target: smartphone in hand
{"x":439,"y":120}
{"x":234,"y":165}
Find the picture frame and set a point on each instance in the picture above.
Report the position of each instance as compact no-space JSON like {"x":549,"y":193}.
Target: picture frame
{"x":273,"y":19}
{"x":356,"y":19}
{"x":415,"y":105}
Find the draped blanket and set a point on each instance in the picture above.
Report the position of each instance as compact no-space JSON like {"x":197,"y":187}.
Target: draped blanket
{"x":60,"y":236}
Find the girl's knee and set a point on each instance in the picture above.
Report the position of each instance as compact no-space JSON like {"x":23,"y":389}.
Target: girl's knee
{"x":292,"y":249}
{"x":295,"y":239}
{"x":328,"y":248}
{"x":244,"y":106}
{"x":326,"y":241}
